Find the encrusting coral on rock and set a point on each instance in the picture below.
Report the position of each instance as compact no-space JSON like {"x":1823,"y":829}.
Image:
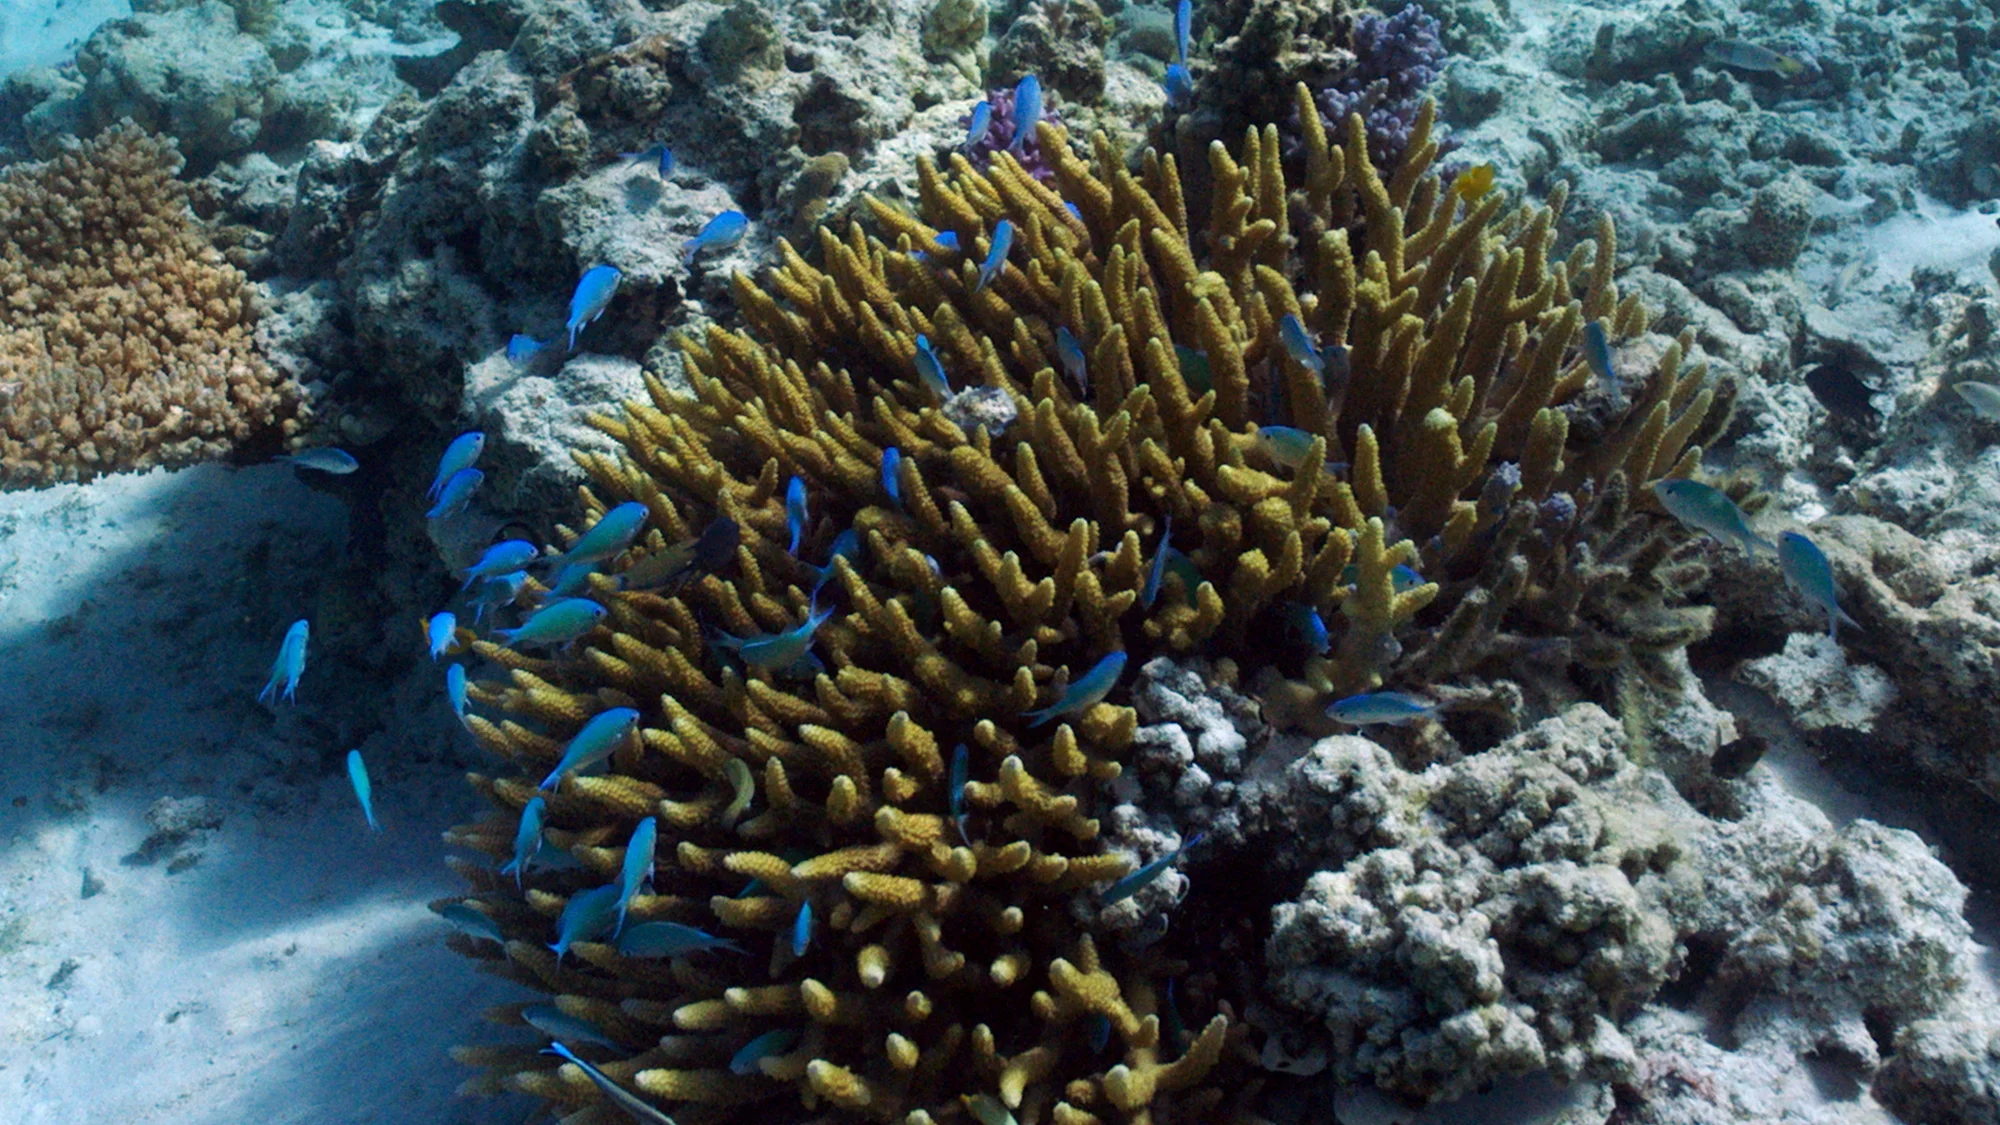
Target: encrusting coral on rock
{"x":937,"y":953}
{"x":126,"y":338}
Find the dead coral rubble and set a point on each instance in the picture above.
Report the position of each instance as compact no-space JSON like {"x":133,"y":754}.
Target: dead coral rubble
{"x":126,"y":339}
{"x":1016,"y":556}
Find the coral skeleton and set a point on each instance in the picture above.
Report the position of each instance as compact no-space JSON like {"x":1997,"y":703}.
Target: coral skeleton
{"x":953,"y":949}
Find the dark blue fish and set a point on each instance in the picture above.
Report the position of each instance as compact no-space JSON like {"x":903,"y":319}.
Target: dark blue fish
{"x":770,"y":1043}
{"x":1084,"y":693}
{"x":1075,"y":212}
{"x":892,"y":475}
{"x":846,"y":545}
{"x":946,"y":241}
{"x":527,"y":838}
{"x":325,"y":459}
{"x":795,"y":512}
{"x":1135,"y":882}
{"x":721,"y":232}
{"x":1806,"y":569}
{"x":1069,"y":352}
{"x":593,"y":295}
{"x":976,"y":128}
{"x":1183,"y":24}
{"x":1299,"y":345}
{"x":671,"y":939}
{"x":520,"y":349}
{"x":996,"y":255}
{"x":558,"y":1024}
{"x":1027,"y":111}
{"x":503,"y":557}
{"x":1179,"y":84}
{"x":1159,"y":567}
{"x":654,"y":154}
{"x":930,"y":369}
{"x":1304,"y":623}
{"x":495,"y":592}
{"x":587,"y":916}
{"x":457,"y":494}
{"x":961,"y":771}
{"x":1100,"y":1026}
{"x":1597,"y":349}
{"x":1373,"y":707}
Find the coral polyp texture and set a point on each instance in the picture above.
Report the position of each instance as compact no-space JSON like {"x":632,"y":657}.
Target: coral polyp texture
{"x":126,"y":341}
{"x":955,"y":956}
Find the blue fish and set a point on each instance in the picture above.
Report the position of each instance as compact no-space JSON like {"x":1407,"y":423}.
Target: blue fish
{"x":671,"y":939}
{"x":1703,"y":506}
{"x":466,"y":920}
{"x":996,"y":255}
{"x":592,"y":297}
{"x":527,"y":839}
{"x":1287,"y":445}
{"x":501,"y":558}
{"x":1597,"y":349}
{"x":1805,"y":567}
{"x":892,"y":475}
{"x":1401,"y":577}
{"x":521,"y":349}
{"x":587,"y":916}
{"x":770,"y":1043}
{"x":931,"y":369}
{"x":1084,"y":693}
{"x":556,"y":623}
{"x":325,"y":459}
{"x":571,"y":580}
{"x":1027,"y":111}
{"x":497,"y":591}
{"x":290,"y":664}
{"x":558,"y":1024}
{"x":1100,"y":1026}
{"x":454,"y":690}
{"x":1195,"y":369}
{"x":1183,"y":24}
{"x":614,"y":1093}
{"x":795,"y":512}
{"x":1159,"y":568}
{"x":457,"y":494}
{"x":961,"y":771}
{"x":1179,"y":84}
{"x":612,"y":533}
{"x":1379,"y":707}
{"x":606,"y":731}
{"x":846,"y":545}
{"x":1075,"y":212}
{"x":1135,"y":882}
{"x":659,"y":155}
{"x":357,"y":775}
{"x":946,"y":242}
{"x":637,"y":868}
{"x":1069,"y":352}
{"x":720,"y":233}
{"x":462,"y":453}
{"x":802,"y":929}
{"x":440,"y":631}
{"x":1304,"y":623}
{"x":1299,"y":345}
{"x":977,"y":126}
{"x":778,"y":651}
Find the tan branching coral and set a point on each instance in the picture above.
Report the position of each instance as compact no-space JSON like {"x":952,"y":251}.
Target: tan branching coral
{"x":957,"y":956}
{"x":125,"y":337}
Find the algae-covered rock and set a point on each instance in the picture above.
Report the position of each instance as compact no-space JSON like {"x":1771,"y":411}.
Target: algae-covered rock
{"x":189,"y":73}
{"x":743,"y":37}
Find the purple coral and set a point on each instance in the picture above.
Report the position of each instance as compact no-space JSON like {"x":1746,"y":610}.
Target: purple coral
{"x":1396,"y":58}
{"x":1002,"y":131}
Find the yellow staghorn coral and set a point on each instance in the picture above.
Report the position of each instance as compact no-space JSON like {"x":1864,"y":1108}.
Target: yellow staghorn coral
{"x":933,"y":951}
{"x":125,"y":341}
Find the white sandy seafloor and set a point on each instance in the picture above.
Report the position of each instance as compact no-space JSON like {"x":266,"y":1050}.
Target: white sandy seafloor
{"x":275,"y":963}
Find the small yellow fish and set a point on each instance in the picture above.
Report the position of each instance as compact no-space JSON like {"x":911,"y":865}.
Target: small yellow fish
{"x":1473,"y":183}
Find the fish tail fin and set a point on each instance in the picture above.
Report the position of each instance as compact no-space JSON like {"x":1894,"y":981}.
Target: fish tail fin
{"x":1835,"y":618}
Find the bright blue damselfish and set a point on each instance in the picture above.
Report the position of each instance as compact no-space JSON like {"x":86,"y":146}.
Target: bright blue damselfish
{"x":440,"y":631}
{"x":558,"y":1024}
{"x":892,"y":475}
{"x":1135,"y":882}
{"x":462,"y":453}
{"x":720,"y":233}
{"x":996,"y":255}
{"x":357,"y":774}
{"x":527,"y":839}
{"x":1084,"y":693}
{"x":637,"y":867}
{"x":614,"y":1093}
{"x":612,"y":533}
{"x":1806,"y":569}
{"x":671,"y":939}
{"x":1178,"y":83}
{"x":846,"y":545}
{"x":503,"y":557}
{"x":1069,"y":352}
{"x":1159,"y":568}
{"x":521,"y":349}
{"x":557,"y":623}
{"x":606,"y":731}
{"x":1379,"y":707}
{"x":802,"y":929}
{"x":290,"y":664}
{"x":1299,"y":345}
{"x":1027,"y":111}
{"x":456,"y":494}
{"x":659,"y":155}
{"x":795,"y":512}
{"x":1183,"y":24}
{"x":587,"y":916}
{"x":593,"y":295}
{"x":325,"y":459}
{"x":745,"y":1060}
{"x":931,"y":369}
{"x":1597,"y":349}
{"x":980,"y":122}
{"x":1305,"y":625}
{"x":454,"y":690}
